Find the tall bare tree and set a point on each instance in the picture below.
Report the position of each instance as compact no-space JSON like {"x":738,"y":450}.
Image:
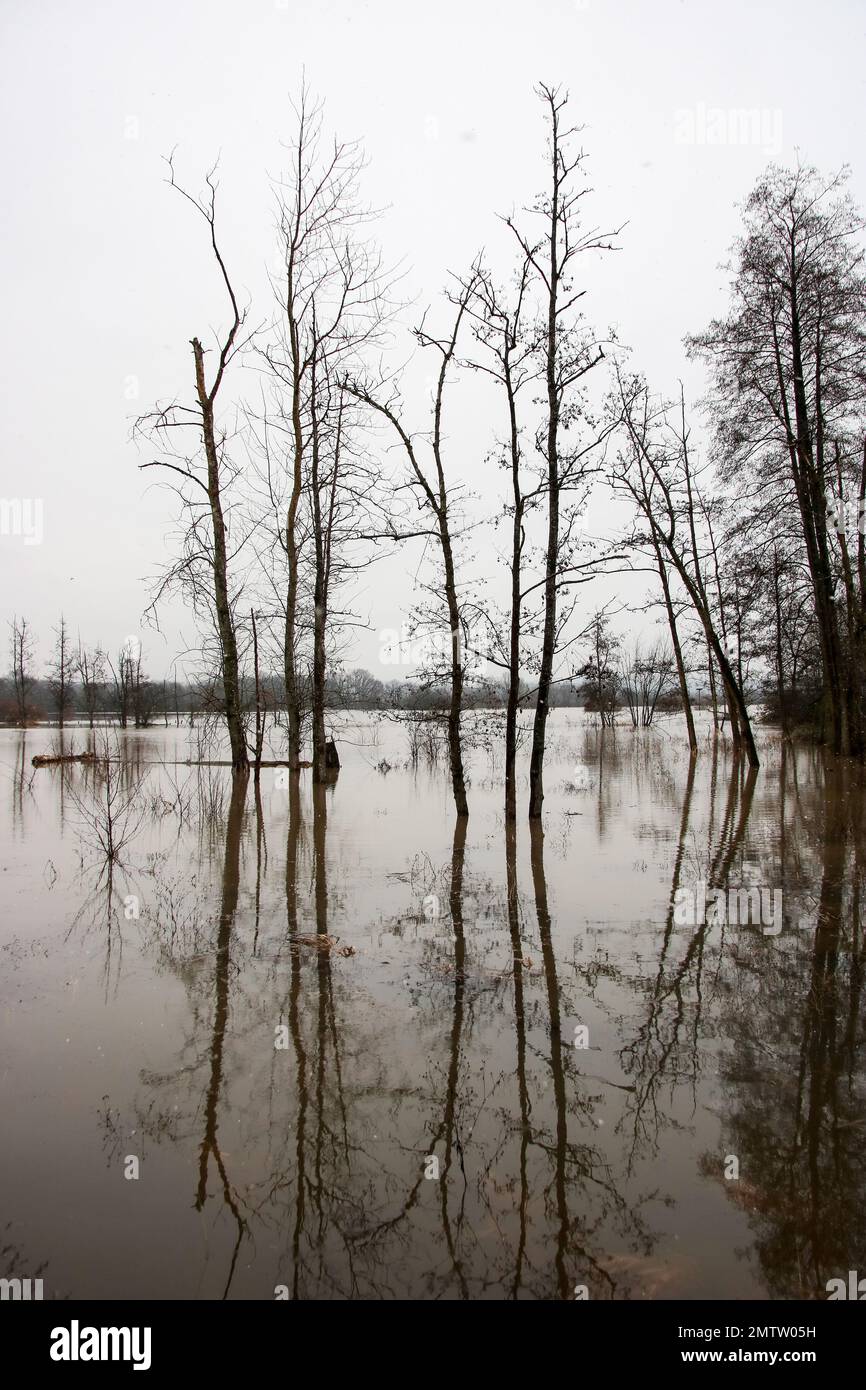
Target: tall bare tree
{"x":436,"y":497}
{"x":203,"y":570}
{"x":569,"y":351}
{"x":122,"y":670}
{"x":60,"y":673}
{"x":332,"y":295}
{"x":21,"y":644}
{"x":90,"y":670}
{"x":506,"y":330}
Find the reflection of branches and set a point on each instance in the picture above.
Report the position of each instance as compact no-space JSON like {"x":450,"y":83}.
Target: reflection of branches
{"x":561,"y":1150}
{"x":210,"y":1145}
{"x":650,"y":1073}
{"x":12,"y":1262}
{"x":448,"y":1119}
{"x":333,"y":1134}
{"x":520,"y":1032}
{"x":653,"y":1057}
{"x":797,"y":1131}
{"x":101,"y":910}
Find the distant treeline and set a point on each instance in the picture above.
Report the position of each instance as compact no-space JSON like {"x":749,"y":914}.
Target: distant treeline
{"x":88,"y":684}
{"x":169,"y":701}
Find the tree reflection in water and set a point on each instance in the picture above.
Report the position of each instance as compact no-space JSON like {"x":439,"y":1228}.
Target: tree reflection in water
{"x":452,"y":1038}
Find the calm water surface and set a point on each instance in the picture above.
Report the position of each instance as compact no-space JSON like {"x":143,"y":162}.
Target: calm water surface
{"x":290,"y":1103}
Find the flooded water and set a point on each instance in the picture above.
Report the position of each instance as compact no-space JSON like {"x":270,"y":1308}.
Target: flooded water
{"x":318,"y":1043}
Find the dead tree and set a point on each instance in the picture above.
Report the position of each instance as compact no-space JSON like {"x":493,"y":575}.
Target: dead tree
{"x":203,"y":572}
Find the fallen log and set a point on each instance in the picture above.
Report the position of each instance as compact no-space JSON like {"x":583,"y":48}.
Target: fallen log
{"x":49,"y":759}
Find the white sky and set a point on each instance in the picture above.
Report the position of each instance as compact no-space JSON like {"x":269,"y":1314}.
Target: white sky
{"x":105,"y":279}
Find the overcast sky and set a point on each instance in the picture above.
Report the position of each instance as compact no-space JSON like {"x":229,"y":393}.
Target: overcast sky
{"x":106,"y":282}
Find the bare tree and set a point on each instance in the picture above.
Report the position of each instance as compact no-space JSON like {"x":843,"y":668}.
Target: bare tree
{"x":143,"y":692}
{"x":110,"y":804}
{"x":60,"y":673}
{"x":203,"y":571}
{"x":655,"y":470}
{"x":90,"y":669}
{"x":645,"y":677}
{"x":331,"y":297}
{"x":123,"y":678}
{"x":600,"y":672}
{"x":344,"y":502}
{"x":22,"y":657}
{"x":646,"y":541}
{"x":569,"y":351}
{"x":510,"y":358}
{"x":436,"y":498}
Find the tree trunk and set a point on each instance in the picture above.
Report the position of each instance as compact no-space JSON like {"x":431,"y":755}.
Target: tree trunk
{"x":225,"y":619}
{"x":545,"y":675}
{"x":260,"y":724}
{"x":678,"y":651}
{"x":320,"y":588}
{"x":742,"y":728}
{"x":455,"y":706}
{"x":513,"y":698}
{"x":293,"y":701}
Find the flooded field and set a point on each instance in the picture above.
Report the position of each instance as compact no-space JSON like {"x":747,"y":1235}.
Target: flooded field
{"x":318,"y":1043}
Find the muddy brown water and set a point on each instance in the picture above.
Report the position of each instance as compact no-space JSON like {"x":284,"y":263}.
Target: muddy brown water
{"x":200,"y":1101}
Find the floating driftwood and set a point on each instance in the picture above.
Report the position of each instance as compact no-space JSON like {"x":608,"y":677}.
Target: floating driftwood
{"x":49,"y":759}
